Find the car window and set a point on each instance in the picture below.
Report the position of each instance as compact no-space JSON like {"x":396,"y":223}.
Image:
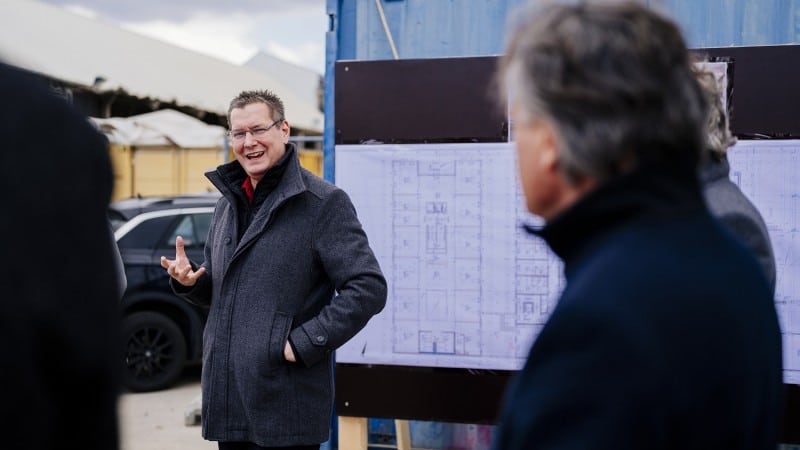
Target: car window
{"x":146,"y":235}
{"x":184,"y":228}
{"x":193,"y":228}
{"x":202,"y":222}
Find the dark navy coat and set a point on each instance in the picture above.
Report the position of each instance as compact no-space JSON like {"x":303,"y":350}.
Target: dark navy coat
{"x":278,"y":283}
{"x":665,"y":337}
{"x":59,"y":310}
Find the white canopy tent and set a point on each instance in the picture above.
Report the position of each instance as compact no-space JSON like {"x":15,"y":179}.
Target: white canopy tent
{"x":65,"y":46}
{"x":160,"y":128}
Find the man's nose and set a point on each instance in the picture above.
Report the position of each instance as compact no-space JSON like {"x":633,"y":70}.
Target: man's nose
{"x":249,"y":138}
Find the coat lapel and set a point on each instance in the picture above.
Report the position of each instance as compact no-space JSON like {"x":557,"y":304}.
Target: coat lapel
{"x":291,"y":184}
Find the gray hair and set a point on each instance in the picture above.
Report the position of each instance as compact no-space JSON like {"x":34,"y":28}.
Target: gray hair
{"x":718,"y":135}
{"x":615,"y":80}
{"x":267,"y":97}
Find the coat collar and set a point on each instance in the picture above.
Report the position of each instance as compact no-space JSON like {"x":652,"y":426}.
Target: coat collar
{"x":638,"y":196}
{"x":228,"y":177}
{"x":291,"y":184}
{"x":715,"y":168}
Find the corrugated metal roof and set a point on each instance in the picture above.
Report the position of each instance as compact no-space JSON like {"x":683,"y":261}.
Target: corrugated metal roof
{"x":76,"y":49}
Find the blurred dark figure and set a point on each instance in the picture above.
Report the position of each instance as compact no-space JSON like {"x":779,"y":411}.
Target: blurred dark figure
{"x":725,"y":200}
{"x":666,"y":335}
{"x":59,"y":307}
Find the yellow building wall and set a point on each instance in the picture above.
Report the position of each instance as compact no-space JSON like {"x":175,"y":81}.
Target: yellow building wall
{"x":122,"y":166}
{"x":194,"y":163}
{"x":170,"y":170}
{"x":155,"y":171}
{"x":311,"y":160}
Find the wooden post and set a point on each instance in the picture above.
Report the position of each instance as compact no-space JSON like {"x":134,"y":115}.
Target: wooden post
{"x":352,"y":433}
{"x":402,"y":434}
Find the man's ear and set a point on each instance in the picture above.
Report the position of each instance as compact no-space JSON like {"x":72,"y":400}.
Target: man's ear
{"x":550,"y":160}
{"x":549,"y":154}
{"x":285,"y":131}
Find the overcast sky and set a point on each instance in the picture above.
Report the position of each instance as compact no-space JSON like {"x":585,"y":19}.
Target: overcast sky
{"x":233,"y":30}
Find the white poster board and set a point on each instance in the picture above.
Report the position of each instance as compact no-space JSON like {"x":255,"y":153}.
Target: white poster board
{"x":768,"y":172}
{"x":468,"y":288}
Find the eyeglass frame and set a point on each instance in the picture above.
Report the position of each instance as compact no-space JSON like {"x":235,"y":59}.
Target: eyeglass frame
{"x":240,"y":135}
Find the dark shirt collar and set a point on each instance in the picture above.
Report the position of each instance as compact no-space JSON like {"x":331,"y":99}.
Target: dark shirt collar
{"x":233,"y":176}
{"x":272,"y":177}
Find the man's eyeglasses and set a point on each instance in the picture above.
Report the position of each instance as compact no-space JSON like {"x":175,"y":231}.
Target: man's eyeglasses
{"x":239,"y":135}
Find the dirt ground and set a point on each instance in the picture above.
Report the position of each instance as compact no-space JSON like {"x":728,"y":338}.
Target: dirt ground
{"x":156,"y":421}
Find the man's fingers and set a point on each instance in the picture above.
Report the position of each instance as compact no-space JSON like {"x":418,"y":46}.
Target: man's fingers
{"x":186,"y":276}
{"x":179,"y":251}
{"x":197,"y":274}
{"x":180,"y":269}
{"x":184,"y":272}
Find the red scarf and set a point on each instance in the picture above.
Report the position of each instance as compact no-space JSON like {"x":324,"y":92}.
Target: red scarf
{"x":247,"y":187}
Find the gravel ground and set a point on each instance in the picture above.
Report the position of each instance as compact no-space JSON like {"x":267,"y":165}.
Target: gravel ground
{"x":156,"y":420}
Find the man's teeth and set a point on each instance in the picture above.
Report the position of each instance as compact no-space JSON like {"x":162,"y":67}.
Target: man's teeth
{"x":254,"y":155}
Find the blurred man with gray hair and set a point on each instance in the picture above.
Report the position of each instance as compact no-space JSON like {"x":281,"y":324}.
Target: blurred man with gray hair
{"x":666,"y":335}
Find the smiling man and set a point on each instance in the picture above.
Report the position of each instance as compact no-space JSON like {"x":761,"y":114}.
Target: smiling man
{"x":289,"y":277}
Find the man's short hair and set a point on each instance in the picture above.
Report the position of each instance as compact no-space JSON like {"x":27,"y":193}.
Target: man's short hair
{"x":615,"y":80}
{"x":265,"y":96}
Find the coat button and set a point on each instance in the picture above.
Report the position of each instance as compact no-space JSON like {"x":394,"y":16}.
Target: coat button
{"x":320,"y":338}
{"x":228,"y":240}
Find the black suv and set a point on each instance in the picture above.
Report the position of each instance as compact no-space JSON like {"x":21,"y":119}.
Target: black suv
{"x":161,"y":332}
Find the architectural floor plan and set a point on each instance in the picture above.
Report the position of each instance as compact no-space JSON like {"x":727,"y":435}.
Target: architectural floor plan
{"x":768,"y":172}
{"x":467,"y":286}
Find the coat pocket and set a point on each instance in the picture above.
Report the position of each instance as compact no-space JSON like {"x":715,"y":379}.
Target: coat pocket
{"x":281,"y":325}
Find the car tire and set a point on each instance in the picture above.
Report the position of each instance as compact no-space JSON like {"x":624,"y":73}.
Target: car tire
{"x":154,"y":351}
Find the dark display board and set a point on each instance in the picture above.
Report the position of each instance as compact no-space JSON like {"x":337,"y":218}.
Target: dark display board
{"x":765,"y":90}
{"x":417,"y":101}
{"x":450,"y":100}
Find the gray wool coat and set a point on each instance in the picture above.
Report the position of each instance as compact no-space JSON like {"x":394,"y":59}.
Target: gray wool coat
{"x":303,"y":271}
{"x":737,"y":213}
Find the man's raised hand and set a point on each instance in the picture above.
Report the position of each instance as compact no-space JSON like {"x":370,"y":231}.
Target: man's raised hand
{"x":180,"y":268}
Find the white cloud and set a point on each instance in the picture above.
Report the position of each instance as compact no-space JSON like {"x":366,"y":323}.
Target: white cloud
{"x":296,"y":36}
{"x":178,"y":10}
{"x":223,"y":37}
{"x":82,"y":11}
{"x":233,"y":31}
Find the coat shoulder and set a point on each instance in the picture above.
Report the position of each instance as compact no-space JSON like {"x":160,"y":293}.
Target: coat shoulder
{"x":317,"y":186}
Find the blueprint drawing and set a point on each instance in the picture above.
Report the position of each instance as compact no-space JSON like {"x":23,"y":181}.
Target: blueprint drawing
{"x":468,"y":287}
{"x":768,"y":172}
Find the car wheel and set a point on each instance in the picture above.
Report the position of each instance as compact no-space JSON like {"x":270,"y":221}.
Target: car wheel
{"x":155,"y":351}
